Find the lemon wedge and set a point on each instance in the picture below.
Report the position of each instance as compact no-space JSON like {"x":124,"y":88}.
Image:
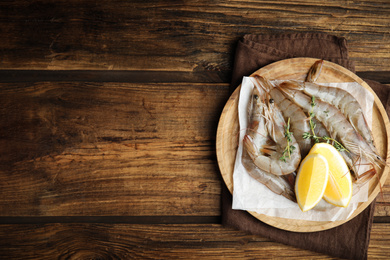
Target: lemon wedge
{"x":339,"y":188}
{"x":311,"y":181}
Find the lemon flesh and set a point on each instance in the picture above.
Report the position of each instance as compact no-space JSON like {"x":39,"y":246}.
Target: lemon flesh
{"x":339,"y":188}
{"x":311,"y":181}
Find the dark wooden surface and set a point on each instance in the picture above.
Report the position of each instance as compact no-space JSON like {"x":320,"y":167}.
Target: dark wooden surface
{"x":108,"y":119}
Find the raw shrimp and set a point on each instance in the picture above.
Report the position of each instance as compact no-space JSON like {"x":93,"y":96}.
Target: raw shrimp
{"x":298,"y":118}
{"x":334,"y":121}
{"x":362,"y":169}
{"x":340,"y":98}
{"x":280,"y":185}
{"x":265,"y":140}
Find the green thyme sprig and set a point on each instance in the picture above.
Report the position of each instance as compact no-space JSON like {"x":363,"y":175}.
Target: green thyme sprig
{"x":317,"y":139}
{"x":289,"y":148}
{"x":336,"y":144}
{"x":312,"y":124}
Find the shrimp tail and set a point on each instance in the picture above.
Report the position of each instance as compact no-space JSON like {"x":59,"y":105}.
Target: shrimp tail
{"x":263,"y":83}
{"x":291,"y":85}
{"x":291,"y":178}
{"x":250,"y":147}
{"x":314,"y":71}
{"x":267,"y":149}
{"x":281,"y":185}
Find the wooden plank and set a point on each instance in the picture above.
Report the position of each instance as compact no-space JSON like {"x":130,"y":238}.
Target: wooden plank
{"x":111,"y":149}
{"x":380,"y":76}
{"x":13,"y":76}
{"x":127,"y":241}
{"x":123,"y":241}
{"x":171,"y":36}
{"x":150,"y":220}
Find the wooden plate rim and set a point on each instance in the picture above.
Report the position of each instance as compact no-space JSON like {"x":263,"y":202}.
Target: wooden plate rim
{"x":310,"y":226}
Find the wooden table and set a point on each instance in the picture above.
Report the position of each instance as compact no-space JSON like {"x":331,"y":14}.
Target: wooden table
{"x":109,"y":111}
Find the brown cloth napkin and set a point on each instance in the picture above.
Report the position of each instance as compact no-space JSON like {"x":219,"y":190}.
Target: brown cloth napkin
{"x":349,"y":240}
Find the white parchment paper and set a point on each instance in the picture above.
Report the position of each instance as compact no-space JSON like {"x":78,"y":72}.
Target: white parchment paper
{"x":251,"y":195}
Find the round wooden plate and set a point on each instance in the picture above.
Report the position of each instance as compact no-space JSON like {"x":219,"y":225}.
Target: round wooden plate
{"x":297,"y":68}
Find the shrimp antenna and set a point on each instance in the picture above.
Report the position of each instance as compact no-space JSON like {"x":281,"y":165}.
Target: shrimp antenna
{"x":369,"y":155}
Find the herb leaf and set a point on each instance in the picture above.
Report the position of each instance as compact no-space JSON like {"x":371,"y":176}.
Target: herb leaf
{"x":317,"y":139}
{"x":289,"y":148}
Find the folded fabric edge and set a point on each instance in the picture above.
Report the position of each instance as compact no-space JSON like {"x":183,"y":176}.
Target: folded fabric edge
{"x":341,"y":42}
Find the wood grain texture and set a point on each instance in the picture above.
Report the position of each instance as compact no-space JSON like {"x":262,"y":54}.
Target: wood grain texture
{"x":137,"y":76}
{"x":105,"y":153}
{"x":109,"y":149}
{"x":113,"y":149}
{"x":126,"y":241}
{"x":172,"y":36}
{"x":123,"y":241}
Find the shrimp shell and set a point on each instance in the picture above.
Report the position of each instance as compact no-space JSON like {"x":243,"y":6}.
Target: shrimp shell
{"x":278,"y":184}
{"x":265,"y":140}
{"x":298,"y":118}
{"x":344,"y":101}
{"x":359,"y":166}
{"x":334,"y":121}
{"x":341,"y":99}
